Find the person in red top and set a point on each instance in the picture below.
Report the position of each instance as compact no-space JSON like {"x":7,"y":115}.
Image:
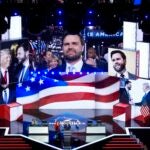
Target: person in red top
{"x":57,"y":126}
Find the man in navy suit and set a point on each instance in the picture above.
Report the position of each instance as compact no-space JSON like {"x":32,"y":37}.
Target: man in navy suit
{"x":73,"y":46}
{"x":7,"y":83}
{"x":146,"y":98}
{"x":125,"y":96}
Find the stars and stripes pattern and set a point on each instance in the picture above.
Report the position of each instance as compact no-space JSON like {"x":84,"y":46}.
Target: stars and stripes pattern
{"x":89,"y":91}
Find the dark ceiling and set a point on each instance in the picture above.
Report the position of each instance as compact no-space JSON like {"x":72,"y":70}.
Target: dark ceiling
{"x":106,"y":14}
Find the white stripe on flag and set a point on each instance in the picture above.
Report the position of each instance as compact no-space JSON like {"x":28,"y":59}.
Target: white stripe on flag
{"x":28,"y":99}
{"x":65,"y":89}
{"x":103,"y":105}
{"x":108,"y":90}
{"x":84,"y":104}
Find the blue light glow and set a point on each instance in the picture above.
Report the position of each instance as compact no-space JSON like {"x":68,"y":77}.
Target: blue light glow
{"x":89,"y":22}
{"x":90,"y":11}
{"x":59,"y":22}
{"x":59,"y":12}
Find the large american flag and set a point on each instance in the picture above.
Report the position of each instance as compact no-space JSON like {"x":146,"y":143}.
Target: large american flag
{"x":73,"y":91}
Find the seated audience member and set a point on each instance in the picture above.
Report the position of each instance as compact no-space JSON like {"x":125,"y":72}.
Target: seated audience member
{"x":7,"y":81}
{"x":47,"y":56}
{"x":92,"y":58}
{"x":54,"y":62}
{"x":95,"y":61}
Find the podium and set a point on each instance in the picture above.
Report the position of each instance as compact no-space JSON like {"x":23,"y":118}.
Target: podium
{"x":11,"y":112}
{"x":40,"y":133}
{"x":122,"y":112}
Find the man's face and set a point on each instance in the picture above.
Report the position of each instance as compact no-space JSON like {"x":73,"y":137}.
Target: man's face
{"x":21,"y":55}
{"x":5,"y":59}
{"x":118,"y":62}
{"x":72,"y":48}
{"x":91,"y":53}
{"x":53,"y":63}
{"x":48,"y":56}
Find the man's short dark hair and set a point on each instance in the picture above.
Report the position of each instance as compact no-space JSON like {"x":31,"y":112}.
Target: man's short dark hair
{"x":72,"y":33}
{"x":120,"y":52}
{"x":26,"y":46}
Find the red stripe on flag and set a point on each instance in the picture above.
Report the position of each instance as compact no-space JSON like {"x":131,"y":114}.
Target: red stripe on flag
{"x":106,"y":82}
{"x":78,"y":96}
{"x":107,"y":98}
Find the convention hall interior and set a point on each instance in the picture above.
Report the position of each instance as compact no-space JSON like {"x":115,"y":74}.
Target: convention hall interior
{"x":74,"y":74}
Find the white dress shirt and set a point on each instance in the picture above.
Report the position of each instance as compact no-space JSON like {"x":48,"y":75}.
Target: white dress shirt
{"x":75,"y":68}
{"x":126,"y":75}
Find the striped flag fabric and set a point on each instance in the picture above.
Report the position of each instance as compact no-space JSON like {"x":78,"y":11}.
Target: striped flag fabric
{"x":71,"y":91}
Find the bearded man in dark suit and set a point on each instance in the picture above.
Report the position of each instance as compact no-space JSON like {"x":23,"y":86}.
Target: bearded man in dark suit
{"x":73,"y":47}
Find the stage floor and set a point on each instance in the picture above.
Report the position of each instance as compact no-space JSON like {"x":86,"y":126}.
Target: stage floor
{"x":75,"y":115}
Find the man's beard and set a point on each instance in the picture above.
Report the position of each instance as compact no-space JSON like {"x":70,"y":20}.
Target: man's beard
{"x":120,"y":69}
{"x":21,"y":61}
{"x":75,"y":57}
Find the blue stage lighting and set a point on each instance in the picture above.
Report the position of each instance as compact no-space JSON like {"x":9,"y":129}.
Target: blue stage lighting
{"x":146,"y":17}
{"x":90,"y":12}
{"x":60,"y":23}
{"x":137,"y":2}
{"x":89,"y":23}
{"x":15,"y":13}
{"x":59,"y":12}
